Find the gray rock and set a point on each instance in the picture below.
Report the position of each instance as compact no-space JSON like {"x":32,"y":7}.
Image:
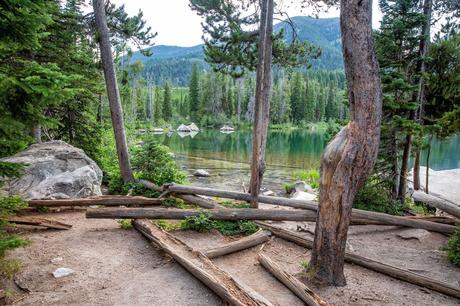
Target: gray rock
{"x":302,"y":186}
{"x":56,"y":170}
{"x":61,"y":272}
{"x":201,"y":172}
{"x":415,"y":233}
{"x":300,"y":195}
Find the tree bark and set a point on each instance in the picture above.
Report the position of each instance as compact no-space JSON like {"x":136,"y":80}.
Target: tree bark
{"x":371,"y":264}
{"x":421,"y":65}
{"x":427,"y":168}
{"x":307,"y":295}
{"x":404,"y":169}
{"x":262,"y":101}
{"x":350,"y":157}
{"x":37,"y":133}
{"x":239,"y":245}
{"x":234,"y":214}
{"x":112,"y":91}
{"x":225,"y":286}
{"x":35,"y":221}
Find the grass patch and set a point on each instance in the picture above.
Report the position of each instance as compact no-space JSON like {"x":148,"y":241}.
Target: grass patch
{"x":452,"y":248}
{"x":125,"y":224}
{"x":311,"y":177}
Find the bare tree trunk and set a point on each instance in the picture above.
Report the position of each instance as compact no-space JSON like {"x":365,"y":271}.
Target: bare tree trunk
{"x":424,"y":45}
{"x":112,"y":91}
{"x":37,"y":133}
{"x":404,"y":169}
{"x":428,"y":164}
{"x":350,"y":156}
{"x":262,"y":102}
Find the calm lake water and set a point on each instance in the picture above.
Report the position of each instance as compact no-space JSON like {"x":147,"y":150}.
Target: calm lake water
{"x":226,"y":156}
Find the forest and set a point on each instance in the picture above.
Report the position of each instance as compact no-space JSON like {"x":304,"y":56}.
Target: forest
{"x":82,"y":94}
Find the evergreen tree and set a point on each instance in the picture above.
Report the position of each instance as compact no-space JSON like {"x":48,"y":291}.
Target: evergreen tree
{"x":194,"y":92}
{"x":297,"y":103}
{"x":158,"y":107}
{"x":167,"y":108}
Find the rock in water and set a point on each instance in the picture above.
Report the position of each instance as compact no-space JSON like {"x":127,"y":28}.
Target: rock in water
{"x":201,"y":172}
{"x":305,"y":196}
{"x":55,"y":169}
{"x":302,"y":186}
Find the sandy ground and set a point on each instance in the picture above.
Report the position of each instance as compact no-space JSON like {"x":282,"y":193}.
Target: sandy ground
{"x":119,"y":267}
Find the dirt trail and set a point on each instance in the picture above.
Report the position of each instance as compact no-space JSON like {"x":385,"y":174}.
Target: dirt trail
{"x":119,"y":267}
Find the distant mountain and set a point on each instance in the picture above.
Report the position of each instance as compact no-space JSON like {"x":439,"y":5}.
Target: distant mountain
{"x":174,"y":63}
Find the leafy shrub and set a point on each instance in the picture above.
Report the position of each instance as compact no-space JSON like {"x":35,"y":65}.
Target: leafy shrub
{"x":170,"y":225}
{"x":232,"y":204}
{"x":200,"y":223}
{"x":452,"y":247}
{"x":153,"y":162}
{"x":311,"y":177}
{"x":125,"y":224}
{"x":375,"y":198}
{"x":174,"y":202}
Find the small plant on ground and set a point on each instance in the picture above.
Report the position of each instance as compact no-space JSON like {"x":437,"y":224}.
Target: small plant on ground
{"x":200,"y":223}
{"x":288,"y":188}
{"x":374,"y":198}
{"x":452,"y":248}
{"x":174,"y":202}
{"x":307,"y":270}
{"x":125,"y":224}
{"x":240,"y":227}
{"x":170,"y":225}
{"x":233,"y":204}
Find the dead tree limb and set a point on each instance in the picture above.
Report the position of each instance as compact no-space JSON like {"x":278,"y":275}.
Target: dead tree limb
{"x":371,"y":264}
{"x":34,"y":221}
{"x":213,"y":214}
{"x":312,"y":205}
{"x":226,"y":287}
{"x":102,"y":200}
{"x":239,"y":245}
{"x":307,"y":295}
{"x":436,"y":202}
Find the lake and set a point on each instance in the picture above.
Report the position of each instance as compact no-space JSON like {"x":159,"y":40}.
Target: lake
{"x":227,"y":156}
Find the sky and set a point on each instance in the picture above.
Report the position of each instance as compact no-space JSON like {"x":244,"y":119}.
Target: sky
{"x":176,"y":24}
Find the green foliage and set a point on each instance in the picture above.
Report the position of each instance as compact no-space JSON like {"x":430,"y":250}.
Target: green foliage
{"x":452,"y":248}
{"x":174,"y":202}
{"x":125,"y":224}
{"x":154,"y":163}
{"x":10,"y":170}
{"x":311,"y":177}
{"x":9,"y":267}
{"x":233,"y":204}
{"x":170,"y":225}
{"x":375,"y":197}
{"x":200,"y":223}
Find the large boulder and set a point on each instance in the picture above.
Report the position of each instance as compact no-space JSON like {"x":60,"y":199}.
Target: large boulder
{"x":55,"y":169}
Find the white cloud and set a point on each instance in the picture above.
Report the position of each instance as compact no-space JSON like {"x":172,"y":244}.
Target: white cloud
{"x":177,"y":24}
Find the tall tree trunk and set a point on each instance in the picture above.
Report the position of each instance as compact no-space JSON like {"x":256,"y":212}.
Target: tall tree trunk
{"x":262,"y":101}
{"x":416,"y":172}
{"x":37,"y":133}
{"x":350,"y":156}
{"x":404,"y":169}
{"x":427,"y":173}
{"x":421,"y":68}
{"x":112,"y":91}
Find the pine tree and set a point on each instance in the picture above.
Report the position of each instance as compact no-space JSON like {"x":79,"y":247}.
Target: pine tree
{"x":194,"y":92}
{"x":297,"y":103}
{"x":158,"y":107}
{"x":167,"y":108}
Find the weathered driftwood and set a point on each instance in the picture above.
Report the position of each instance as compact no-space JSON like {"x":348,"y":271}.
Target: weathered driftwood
{"x":226,"y":287}
{"x":312,"y":205}
{"x":371,"y":264}
{"x":35,"y":221}
{"x":239,"y":245}
{"x":436,"y":219}
{"x":437,"y":202}
{"x":102,"y":200}
{"x":197,"y":200}
{"x":213,"y":214}
{"x":307,"y":295}
{"x":190,"y":198}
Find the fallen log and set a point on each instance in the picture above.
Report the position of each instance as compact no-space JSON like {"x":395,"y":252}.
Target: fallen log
{"x":213,"y":214}
{"x":102,"y":200}
{"x":239,"y":245}
{"x":307,"y":295}
{"x":436,"y":219}
{"x":436,"y":202}
{"x":35,"y":221}
{"x":226,"y":287}
{"x":371,"y":264}
{"x":313,"y":205}
{"x":190,"y":198}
